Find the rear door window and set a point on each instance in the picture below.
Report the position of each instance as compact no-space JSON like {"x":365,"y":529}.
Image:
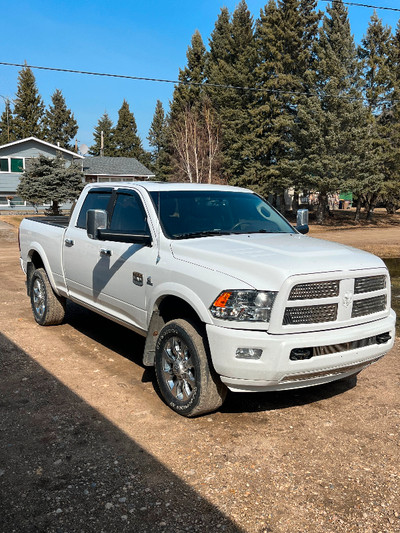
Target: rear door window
{"x":96,"y":199}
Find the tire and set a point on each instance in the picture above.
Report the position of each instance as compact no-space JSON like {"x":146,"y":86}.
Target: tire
{"x":48,"y":308}
{"x":187,"y":382}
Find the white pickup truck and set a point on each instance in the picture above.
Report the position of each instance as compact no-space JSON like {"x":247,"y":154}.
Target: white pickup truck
{"x":227,"y":293}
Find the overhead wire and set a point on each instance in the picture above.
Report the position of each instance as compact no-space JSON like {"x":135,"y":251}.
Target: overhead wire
{"x":179,"y":82}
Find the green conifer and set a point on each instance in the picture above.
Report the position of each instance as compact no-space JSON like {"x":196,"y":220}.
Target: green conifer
{"x":7,"y":132}
{"x":59,"y":122}
{"x":188,"y":93}
{"x":29,"y":107}
{"x":157,"y":138}
{"x":127,"y":141}
{"x":231,"y":61}
{"x":50,"y":180}
{"x":332,"y":120}
{"x":285,"y":35}
{"x":104,"y":128}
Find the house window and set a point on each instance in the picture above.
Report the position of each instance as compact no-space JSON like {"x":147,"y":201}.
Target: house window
{"x":17,"y":165}
{"x":11,"y":164}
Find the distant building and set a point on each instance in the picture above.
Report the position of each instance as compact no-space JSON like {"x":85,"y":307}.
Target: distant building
{"x":101,"y":169}
{"x":15,"y":156}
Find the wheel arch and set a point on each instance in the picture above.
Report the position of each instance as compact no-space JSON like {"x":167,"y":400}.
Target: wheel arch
{"x":37,"y":259}
{"x":168,"y":307}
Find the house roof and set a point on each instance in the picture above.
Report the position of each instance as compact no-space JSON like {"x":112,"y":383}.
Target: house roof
{"x":115,"y":166}
{"x":64,"y":150}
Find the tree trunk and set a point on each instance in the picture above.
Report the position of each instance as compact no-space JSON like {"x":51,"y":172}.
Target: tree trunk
{"x":358,"y":210}
{"x":55,"y":208}
{"x":369,"y":208}
{"x":322,"y":207}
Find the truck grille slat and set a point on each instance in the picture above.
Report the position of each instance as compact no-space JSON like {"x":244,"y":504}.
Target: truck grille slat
{"x":310,"y":314}
{"x":319,"y":289}
{"x":371,"y":284}
{"x":369,"y":306}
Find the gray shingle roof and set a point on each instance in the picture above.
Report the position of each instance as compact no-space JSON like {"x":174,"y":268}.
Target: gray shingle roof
{"x":114,"y":166}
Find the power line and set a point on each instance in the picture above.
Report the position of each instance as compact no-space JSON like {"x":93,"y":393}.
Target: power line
{"x":176,"y":82}
{"x":387,"y":8}
{"x":187,"y":83}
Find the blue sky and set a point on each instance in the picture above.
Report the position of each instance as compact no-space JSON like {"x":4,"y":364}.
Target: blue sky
{"x":137,"y":38}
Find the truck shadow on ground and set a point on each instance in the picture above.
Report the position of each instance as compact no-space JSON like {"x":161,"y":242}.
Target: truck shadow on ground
{"x":65,"y":467}
{"x":130,"y":346}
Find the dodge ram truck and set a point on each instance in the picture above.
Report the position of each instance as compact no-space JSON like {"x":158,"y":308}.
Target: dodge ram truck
{"x":228,"y":294}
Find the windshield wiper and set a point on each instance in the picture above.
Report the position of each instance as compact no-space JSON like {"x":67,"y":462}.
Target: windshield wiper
{"x":196,"y":234}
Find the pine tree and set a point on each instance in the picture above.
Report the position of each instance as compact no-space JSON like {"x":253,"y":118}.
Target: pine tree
{"x":185,"y":94}
{"x":50,"y":179}
{"x":127,"y":141}
{"x":285,"y":35}
{"x":28,"y":108}
{"x":104,"y":127}
{"x":231,"y":61}
{"x":7,"y":130}
{"x":377,"y":87}
{"x":158,"y":141}
{"x":332,"y":121}
{"x":59,"y":122}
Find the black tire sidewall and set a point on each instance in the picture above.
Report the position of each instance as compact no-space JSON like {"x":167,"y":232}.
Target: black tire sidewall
{"x":175,"y":330}
{"x":38,"y":275}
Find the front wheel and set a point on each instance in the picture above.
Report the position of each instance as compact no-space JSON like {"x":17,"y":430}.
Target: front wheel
{"x":48,"y":308}
{"x":187,"y":382}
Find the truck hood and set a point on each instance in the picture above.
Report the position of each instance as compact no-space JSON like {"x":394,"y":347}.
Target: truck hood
{"x":265,"y":261}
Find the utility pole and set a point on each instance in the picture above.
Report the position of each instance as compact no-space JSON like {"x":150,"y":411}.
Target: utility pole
{"x":101,"y":143}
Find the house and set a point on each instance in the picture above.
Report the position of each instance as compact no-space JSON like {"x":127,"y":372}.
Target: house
{"x":14,"y":157}
{"x":101,"y":169}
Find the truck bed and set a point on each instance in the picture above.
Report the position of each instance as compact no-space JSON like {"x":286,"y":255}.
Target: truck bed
{"x":59,"y":221}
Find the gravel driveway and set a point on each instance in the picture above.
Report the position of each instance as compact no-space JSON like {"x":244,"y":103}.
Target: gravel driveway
{"x":88,"y":446}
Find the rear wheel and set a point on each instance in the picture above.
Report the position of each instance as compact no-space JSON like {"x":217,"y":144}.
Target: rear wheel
{"x":187,"y":382}
{"x":48,"y":308}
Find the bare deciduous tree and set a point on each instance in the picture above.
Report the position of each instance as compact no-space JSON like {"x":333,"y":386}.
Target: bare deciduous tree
{"x":195,"y":139}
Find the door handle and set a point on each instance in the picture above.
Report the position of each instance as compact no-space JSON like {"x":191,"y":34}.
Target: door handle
{"x":107,"y":253}
{"x":69,"y":242}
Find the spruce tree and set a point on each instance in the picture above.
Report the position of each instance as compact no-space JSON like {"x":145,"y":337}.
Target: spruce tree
{"x":59,"y":124}
{"x":231,"y":61}
{"x":377,"y":87}
{"x":104,"y":127}
{"x":49,"y":179}
{"x":285,"y":35}
{"x":127,"y":141}
{"x":158,"y":141}
{"x":7,"y":131}
{"x":188,"y":93}
{"x":28,"y":107}
{"x":332,"y":121}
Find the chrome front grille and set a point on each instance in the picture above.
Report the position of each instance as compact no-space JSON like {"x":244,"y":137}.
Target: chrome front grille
{"x":338,"y":300}
{"x":369,"y":306}
{"x":371,"y":284}
{"x":319,"y":289}
{"x":310,"y":314}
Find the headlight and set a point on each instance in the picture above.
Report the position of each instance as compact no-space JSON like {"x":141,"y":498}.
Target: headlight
{"x":246,"y":306}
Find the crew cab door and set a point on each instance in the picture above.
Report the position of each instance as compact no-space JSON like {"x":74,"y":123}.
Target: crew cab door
{"x":111,"y":276}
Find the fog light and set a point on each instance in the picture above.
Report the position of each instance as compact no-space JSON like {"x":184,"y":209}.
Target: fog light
{"x":248,"y":353}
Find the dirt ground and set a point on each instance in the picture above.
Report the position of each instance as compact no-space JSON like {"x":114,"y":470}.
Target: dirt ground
{"x":87,"y":445}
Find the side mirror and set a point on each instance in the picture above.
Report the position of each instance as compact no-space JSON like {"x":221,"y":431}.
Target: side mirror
{"x":95,"y":219}
{"x":302,"y":221}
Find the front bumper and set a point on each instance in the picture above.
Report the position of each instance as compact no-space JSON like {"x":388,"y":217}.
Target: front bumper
{"x":275,"y":371}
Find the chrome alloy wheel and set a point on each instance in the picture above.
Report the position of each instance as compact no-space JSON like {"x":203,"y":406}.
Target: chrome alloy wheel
{"x":178,"y":369}
{"x":39,"y":298}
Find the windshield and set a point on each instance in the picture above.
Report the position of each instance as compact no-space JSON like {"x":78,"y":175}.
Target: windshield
{"x":187,"y":214}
